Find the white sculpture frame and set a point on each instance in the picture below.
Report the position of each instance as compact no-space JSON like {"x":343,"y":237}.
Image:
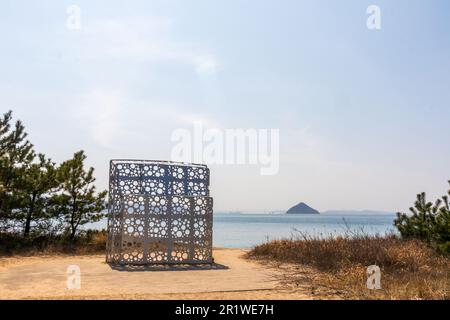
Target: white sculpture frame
{"x":159,"y":213}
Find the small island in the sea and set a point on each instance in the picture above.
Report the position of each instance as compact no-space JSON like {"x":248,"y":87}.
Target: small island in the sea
{"x":302,"y":208}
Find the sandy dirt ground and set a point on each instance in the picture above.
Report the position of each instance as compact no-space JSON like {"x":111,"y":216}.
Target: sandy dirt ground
{"x":232,"y":277}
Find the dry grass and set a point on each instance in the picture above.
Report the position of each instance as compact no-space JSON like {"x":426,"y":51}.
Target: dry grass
{"x":409,"y":268}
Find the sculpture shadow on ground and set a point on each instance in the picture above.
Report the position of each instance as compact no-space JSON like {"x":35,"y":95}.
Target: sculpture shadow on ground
{"x":167,"y":267}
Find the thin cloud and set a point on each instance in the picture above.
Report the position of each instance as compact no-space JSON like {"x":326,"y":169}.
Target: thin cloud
{"x":138,"y":39}
{"x":113,"y":118}
{"x":100,"y":111}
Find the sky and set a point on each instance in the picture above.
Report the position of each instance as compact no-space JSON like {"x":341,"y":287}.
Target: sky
{"x":363,"y":114}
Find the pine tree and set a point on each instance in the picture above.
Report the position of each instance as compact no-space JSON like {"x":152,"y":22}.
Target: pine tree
{"x":15,"y":154}
{"x":78,"y":203}
{"x":38,"y":181}
{"x":428,"y":221}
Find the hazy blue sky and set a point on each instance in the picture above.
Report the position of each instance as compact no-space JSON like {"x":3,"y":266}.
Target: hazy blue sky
{"x":363,"y":115}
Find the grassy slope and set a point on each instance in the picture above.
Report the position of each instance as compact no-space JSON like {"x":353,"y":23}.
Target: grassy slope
{"x":409,"y":269}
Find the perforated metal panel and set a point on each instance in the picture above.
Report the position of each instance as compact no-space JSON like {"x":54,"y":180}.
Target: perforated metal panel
{"x":159,"y":213}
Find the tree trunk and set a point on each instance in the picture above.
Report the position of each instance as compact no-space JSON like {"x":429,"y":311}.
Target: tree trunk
{"x":72,"y":220}
{"x":72,"y":233}
{"x":29,"y":216}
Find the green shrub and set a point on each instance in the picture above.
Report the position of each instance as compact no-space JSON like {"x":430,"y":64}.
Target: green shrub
{"x":429,"y":222}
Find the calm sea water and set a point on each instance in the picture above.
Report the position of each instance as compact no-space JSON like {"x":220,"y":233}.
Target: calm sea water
{"x":247,"y":230}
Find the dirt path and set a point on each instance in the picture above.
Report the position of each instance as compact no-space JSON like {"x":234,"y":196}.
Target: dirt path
{"x":231,"y":278}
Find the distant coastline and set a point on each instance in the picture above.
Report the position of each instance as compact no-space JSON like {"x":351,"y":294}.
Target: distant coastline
{"x":327,"y":212}
{"x":357,"y":212}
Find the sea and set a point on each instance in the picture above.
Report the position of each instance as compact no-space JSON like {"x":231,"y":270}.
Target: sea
{"x":245,"y":230}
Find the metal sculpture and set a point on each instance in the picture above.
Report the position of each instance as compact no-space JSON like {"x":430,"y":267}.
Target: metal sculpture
{"x":159,"y":213}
